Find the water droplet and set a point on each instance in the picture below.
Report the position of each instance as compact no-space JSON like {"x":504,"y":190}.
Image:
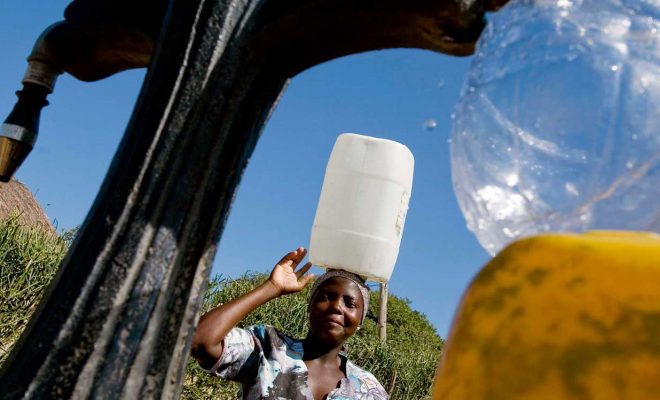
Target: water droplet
{"x":512,"y":179}
{"x":614,"y":68}
{"x":571,"y":189}
{"x":481,"y":224}
{"x":452,"y":116}
{"x":430,"y":124}
{"x":630,"y":164}
{"x":441,"y":84}
{"x":634,"y":136}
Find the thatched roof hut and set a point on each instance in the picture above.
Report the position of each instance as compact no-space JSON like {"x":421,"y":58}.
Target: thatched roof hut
{"x":16,"y":198}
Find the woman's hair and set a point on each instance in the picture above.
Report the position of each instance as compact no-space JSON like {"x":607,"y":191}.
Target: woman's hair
{"x":340,"y":273}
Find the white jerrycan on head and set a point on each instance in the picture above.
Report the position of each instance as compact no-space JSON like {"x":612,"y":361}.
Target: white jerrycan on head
{"x":363,"y":204}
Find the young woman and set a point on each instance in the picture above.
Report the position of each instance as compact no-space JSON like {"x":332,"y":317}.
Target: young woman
{"x":271,"y":365}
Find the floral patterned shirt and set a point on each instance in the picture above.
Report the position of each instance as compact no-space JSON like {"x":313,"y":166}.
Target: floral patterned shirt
{"x":269,"y":365}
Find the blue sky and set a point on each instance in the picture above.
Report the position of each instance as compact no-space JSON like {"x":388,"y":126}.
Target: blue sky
{"x":388,"y":94}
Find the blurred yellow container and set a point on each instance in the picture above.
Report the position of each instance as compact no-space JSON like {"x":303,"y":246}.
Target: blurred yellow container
{"x":559,"y":317}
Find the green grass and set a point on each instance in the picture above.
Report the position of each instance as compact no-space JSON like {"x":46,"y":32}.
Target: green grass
{"x":28,"y":261}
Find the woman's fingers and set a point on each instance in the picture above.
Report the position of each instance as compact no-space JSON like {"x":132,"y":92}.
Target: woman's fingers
{"x":292,"y":258}
{"x":303,"y":270}
{"x":305,"y":280}
{"x":301,"y":252}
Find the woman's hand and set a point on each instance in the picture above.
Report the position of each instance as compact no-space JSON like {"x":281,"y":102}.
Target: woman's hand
{"x":285,"y":278}
{"x":207,"y":343}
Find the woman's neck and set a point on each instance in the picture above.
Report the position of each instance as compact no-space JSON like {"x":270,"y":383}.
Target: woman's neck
{"x":321,"y":352}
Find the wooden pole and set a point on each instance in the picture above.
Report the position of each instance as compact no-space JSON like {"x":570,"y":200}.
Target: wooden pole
{"x":382,"y":313}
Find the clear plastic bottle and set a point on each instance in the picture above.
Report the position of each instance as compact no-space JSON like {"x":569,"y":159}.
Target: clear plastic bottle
{"x":558,"y":125}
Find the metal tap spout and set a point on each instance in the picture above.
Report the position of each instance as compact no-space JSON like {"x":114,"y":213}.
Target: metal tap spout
{"x":97,"y":39}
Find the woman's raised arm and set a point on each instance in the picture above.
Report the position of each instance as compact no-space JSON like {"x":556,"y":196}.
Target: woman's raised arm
{"x":207,"y":343}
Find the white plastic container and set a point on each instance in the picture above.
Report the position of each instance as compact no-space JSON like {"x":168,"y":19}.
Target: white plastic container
{"x":363,"y":204}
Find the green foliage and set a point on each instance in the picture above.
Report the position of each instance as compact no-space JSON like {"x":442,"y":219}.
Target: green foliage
{"x":28,"y":261}
{"x":405,"y":365}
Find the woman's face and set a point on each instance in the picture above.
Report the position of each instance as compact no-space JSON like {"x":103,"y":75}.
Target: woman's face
{"x":336,"y":310}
